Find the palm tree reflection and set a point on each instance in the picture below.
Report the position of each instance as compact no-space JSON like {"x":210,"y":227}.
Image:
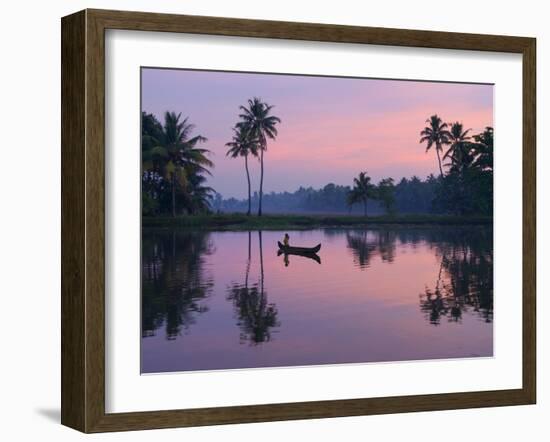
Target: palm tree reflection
{"x":464,"y":282}
{"x":465,"y":278}
{"x":256,"y":317}
{"x":364,"y":245}
{"x":174,"y":283}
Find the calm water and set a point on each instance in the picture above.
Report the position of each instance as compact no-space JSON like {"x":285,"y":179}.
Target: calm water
{"x":220,"y":300}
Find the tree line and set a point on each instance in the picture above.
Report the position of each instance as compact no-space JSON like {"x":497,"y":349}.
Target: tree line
{"x":409,"y":195}
{"x":176,"y":168}
{"x":464,"y":188}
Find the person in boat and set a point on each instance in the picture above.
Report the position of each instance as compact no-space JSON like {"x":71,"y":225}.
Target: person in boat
{"x":286,"y":240}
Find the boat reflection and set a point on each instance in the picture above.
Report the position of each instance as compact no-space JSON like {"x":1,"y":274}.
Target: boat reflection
{"x":286,"y":255}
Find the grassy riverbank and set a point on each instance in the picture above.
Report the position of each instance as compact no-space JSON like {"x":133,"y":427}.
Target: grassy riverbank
{"x":294,"y":222}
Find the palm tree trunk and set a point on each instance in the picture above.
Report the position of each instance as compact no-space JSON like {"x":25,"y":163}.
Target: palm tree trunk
{"x":173,"y":196}
{"x":248,"y":179}
{"x":365,"y":207}
{"x":439,"y":160}
{"x":261,"y":180}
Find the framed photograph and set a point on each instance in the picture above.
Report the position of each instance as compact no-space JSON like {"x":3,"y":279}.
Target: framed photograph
{"x":270,"y":220}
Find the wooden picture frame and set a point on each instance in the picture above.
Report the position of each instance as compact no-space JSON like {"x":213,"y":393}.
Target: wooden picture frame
{"x":83,"y":220}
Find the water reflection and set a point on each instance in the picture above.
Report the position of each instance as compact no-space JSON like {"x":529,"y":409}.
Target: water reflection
{"x":465,"y":276}
{"x":286,"y":256}
{"x":255,"y":315}
{"x":465,"y":279}
{"x":366,"y":244}
{"x":382,"y":294}
{"x":174,"y":283}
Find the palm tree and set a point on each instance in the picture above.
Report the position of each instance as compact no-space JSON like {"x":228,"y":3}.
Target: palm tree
{"x":362,"y":190}
{"x":177,"y":157}
{"x":242,"y":145}
{"x":483,"y":149}
{"x":435,"y":133}
{"x":258,"y":122}
{"x":459,"y":148}
{"x":385,"y":193}
{"x":151,"y":184}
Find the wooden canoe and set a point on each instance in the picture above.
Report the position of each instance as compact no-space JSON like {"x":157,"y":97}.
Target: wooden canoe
{"x":290,"y":249}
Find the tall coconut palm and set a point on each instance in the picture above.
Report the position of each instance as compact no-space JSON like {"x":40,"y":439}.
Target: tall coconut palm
{"x":459,"y":148}
{"x":242,"y":145}
{"x":435,"y":134}
{"x":260,"y":124}
{"x":177,"y":154}
{"x":362,"y":190}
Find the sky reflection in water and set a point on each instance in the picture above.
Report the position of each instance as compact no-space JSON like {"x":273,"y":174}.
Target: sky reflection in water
{"x":221,"y":300}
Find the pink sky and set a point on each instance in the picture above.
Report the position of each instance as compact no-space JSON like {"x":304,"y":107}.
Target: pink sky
{"x":332,"y":128}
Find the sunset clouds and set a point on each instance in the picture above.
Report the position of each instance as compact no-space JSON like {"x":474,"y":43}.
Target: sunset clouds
{"x":331,"y":127}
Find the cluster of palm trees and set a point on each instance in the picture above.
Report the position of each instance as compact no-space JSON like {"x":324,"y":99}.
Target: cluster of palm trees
{"x":467,"y":187}
{"x":250,"y":135}
{"x":174,"y":166}
{"x":363,"y":191}
{"x":463,"y":150}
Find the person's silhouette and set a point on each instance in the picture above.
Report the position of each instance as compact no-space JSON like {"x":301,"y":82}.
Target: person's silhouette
{"x":286,"y":240}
